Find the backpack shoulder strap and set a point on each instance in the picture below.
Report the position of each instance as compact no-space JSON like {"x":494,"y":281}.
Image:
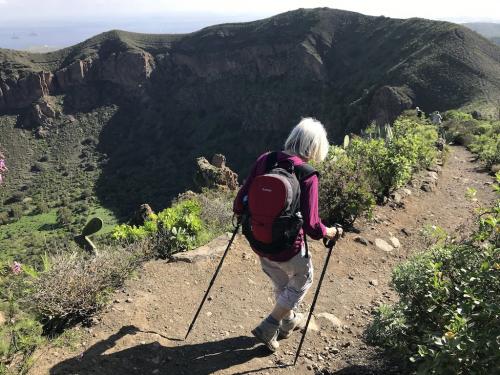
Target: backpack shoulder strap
{"x":271,"y":160}
{"x":304,"y":171}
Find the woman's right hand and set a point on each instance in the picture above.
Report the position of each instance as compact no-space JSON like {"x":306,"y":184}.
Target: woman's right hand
{"x":334,"y":232}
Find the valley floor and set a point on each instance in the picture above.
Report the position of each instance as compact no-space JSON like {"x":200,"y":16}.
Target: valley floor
{"x":139,"y":333}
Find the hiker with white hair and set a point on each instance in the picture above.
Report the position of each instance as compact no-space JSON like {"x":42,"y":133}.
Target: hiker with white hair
{"x":278,"y":207}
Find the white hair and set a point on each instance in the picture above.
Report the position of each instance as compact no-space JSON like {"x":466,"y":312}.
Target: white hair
{"x":308,"y":140}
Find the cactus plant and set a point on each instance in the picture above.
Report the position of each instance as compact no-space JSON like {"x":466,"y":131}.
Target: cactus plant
{"x":83,"y":240}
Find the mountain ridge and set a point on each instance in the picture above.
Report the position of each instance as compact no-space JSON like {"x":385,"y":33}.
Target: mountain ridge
{"x":237,"y":89}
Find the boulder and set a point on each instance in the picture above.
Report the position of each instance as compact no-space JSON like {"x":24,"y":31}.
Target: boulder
{"x":361,"y":240}
{"x":428,"y":185}
{"x":495,"y":168}
{"x":383,"y":245}
{"x":396,"y":197}
{"x":211,"y":250}
{"x":211,"y":176}
{"x":433,"y":175}
{"x":336,"y":322}
{"x":394,"y":242}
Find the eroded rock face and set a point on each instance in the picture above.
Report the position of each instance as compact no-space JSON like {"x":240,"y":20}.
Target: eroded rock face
{"x":73,"y":74}
{"x":20,"y":93}
{"x":128,"y":69}
{"x":388,"y":102}
{"x":211,"y":176}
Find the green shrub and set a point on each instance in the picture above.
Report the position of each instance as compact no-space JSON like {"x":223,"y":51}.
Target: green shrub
{"x":344,"y":190}
{"x":41,"y":208}
{"x":456,"y":115}
{"x":64,"y":217}
{"x":178,"y":227}
{"x":447,"y":319}
{"x":389,"y":163}
{"x":481,"y":137}
{"x":487,"y":146}
{"x":174,"y":229}
{"x":18,"y":340}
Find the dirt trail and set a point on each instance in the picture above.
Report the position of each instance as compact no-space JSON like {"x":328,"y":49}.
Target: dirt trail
{"x":138,"y":333}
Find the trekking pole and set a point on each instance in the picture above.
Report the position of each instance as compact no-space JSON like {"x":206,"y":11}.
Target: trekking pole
{"x":329,"y":243}
{"x":213,"y":279}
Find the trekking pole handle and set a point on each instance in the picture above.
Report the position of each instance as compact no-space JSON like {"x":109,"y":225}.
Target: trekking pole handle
{"x":330,"y":242}
{"x":236,"y":220}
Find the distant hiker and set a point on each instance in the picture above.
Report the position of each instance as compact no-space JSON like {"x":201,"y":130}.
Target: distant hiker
{"x":436,"y":118}
{"x":440,"y":143}
{"x":419,"y":112}
{"x":278,"y":204}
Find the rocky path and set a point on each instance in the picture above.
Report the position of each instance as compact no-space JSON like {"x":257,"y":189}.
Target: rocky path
{"x":140,"y":332}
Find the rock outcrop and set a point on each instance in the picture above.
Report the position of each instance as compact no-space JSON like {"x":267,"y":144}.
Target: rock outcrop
{"x":141,"y":215}
{"x":41,"y":114}
{"x":388,"y":102}
{"x":21,"y":92}
{"x":73,"y":74}
{"x":212,"y":176}
{"x":128,"y":69}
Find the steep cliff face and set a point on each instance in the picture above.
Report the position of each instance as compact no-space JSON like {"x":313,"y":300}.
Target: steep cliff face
{"x":20,"y":93}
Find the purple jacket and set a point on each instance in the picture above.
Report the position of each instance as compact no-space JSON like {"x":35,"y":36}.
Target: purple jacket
{"x":313,"y":226}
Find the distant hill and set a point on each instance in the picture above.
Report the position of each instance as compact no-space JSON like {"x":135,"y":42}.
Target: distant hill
{"x":126,"y":114}
{"x":487,"y":29}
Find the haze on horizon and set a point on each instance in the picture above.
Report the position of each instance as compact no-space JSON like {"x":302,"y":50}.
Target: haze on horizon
{"x":60,"y":23}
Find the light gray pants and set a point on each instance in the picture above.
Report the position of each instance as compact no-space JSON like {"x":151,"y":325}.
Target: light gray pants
{"x":291,"y":279}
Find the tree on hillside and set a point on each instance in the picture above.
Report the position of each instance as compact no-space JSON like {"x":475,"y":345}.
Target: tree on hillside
{"x":64,"y":216}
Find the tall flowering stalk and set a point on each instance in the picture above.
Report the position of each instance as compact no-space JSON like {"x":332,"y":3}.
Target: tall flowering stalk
{"x":3,"y":167}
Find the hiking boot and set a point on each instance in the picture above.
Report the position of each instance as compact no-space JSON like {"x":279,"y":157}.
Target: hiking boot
{"x":288,"y":326}
{"x":267,"y":333}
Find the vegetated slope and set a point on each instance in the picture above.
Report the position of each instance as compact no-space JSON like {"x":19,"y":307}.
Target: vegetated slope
{"x":489,"y":30}
{"x":140,"y":332}
{"x":162,"y":100}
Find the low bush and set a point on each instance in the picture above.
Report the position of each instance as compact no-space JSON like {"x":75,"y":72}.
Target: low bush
{"x":61,"y":290}
{"x":344,"y":190}
{"x":447,"y":319}
{"x":216,"y":212}
{"x":481,"y":137}
{"x":487,"y":146}
{"x":75,"y":287}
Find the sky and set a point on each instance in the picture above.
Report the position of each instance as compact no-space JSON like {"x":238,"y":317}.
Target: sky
{"x":40,"y":22}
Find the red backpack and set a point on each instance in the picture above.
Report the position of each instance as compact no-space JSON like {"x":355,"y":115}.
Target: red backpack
{"x":272,"y":220}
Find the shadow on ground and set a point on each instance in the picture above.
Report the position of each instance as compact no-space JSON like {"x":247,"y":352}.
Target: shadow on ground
{"x":203,"y":358}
